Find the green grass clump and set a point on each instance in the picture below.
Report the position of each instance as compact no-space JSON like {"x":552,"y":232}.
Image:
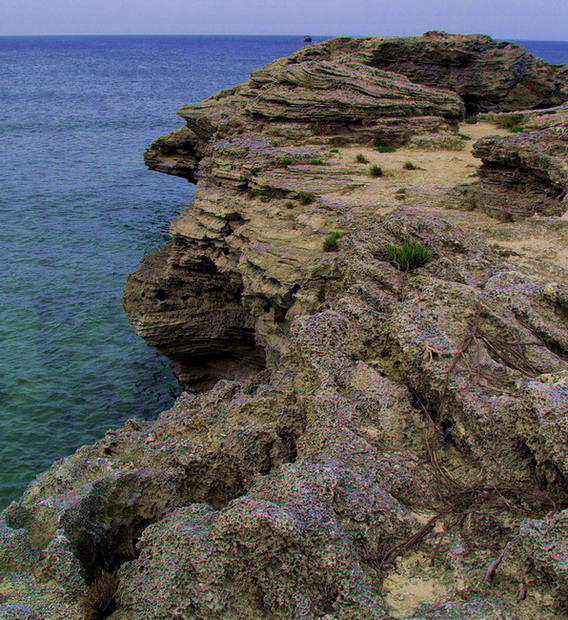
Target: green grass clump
{"x":408,"y":165}
{"x":471,"y":119}
{"x":409,"y":255}
{"x":306,"y":198}
{"x":509,"y":121}
{"x":516,"y":129}
{"x":376,"y":171}
{"x":382,"y":147}
{"x":361,"y":159}
{"x":317,"y":162}
{"x":334,"y":150}
{"x":282,"y":162}
{"x":464,"y":136}
{"x":330,"y":243}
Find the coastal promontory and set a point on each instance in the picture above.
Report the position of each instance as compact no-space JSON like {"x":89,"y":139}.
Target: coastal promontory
{"x":366,"y":303}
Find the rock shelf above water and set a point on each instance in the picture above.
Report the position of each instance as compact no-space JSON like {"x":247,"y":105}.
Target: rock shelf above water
{"x":356,"y":440}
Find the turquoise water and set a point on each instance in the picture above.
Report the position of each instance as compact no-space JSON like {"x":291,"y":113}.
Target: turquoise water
{"x":78,"y":210}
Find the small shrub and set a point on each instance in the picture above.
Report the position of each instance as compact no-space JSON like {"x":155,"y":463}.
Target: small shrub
{"x":376,"y":171}
{"x":330,"y":243}
{"x":361,"y":159}
{"x":509,"y":121}
{"x":464,"y":136}
{"x":334,"y":150}
{"x":471,"y":119}
{"x":99,"y":601}
{"x":385,"y":149}
{"x":283,"y":162}
{"x":317,"y":162}
{"x":516,"y":129}
{"x":400,"y":193}
{"x":306,"y":198}
{"x":379,"y":142}
{"x":409,"y":255}
{"x":410,"y":166}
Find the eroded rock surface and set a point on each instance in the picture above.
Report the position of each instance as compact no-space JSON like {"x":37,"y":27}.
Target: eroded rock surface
{"x":526,"y":173}
{"x":360,"y":440}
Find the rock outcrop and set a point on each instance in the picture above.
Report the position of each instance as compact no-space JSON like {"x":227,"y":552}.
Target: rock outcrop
{"x":489,"y":75}
{"x":526,"y":173}
{"x":362,"y":437}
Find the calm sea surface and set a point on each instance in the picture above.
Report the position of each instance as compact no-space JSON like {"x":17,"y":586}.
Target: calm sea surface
{"x":78,"y":210}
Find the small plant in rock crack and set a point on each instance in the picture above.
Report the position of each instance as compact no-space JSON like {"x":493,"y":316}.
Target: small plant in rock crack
{"x":408,"y":256}
{"x":330,"y":243}
{"x":100,"y":600}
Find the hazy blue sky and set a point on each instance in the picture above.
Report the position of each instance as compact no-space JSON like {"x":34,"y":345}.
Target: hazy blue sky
{"x":513,"y":19}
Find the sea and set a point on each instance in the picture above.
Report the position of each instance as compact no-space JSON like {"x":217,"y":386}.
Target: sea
{"x":78,"y":210}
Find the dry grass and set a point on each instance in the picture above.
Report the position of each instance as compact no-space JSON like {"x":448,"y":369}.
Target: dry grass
{"x":456,"y":499}
{"x":100,"y":600}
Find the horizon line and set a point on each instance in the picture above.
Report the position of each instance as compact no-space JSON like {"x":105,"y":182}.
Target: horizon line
{"x":213,"y":34}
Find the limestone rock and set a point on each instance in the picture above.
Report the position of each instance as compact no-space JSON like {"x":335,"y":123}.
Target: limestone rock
{"x":352,"y":426}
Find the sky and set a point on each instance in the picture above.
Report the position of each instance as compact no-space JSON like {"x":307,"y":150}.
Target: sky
{"x":508,"y":19}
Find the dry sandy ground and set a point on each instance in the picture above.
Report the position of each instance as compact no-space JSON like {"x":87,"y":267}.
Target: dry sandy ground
{"x":536,"y":245}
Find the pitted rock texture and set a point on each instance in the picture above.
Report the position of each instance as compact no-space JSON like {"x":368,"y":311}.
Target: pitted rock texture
{"x":282,"y":497}
{"x":360,"y":441}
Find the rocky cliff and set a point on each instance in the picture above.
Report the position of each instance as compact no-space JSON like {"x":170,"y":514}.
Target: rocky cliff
{"x":366,"y":432}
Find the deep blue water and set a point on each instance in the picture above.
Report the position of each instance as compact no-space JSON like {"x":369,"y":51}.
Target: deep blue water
{"x":78,"y":210}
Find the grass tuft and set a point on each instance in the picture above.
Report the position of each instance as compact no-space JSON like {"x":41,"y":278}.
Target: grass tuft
{"x":409,"y":255}
{"x":100,"y":600}
{"x":330,"y":243}
{"x":464,"y":136}
{"x":376,"y":171}
{"x":361,"y":159}
{"x":410,"y":166}
{"x":385,"y":149}
{"x":471,"y":119}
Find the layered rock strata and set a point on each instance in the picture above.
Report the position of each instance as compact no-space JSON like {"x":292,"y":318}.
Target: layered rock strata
{"x":376,"y":442}
{"x":526,"y":173}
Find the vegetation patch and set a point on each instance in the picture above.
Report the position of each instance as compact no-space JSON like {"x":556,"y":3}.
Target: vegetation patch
{"x":283,"y":162}
{"x":361,"y":159}
{"x":464,"y":136}
{"x":100,"y":600}
{"x":330,"y":243}
{"x":317,"y":162}
{"x":512,"y":122}
{"x":376,"y":171}
{"x":408,"y":256}
{"x":408,"y":165}
{"x":306,"y":198}
{"x":382,"y":147}
{"x":471,"y":119}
